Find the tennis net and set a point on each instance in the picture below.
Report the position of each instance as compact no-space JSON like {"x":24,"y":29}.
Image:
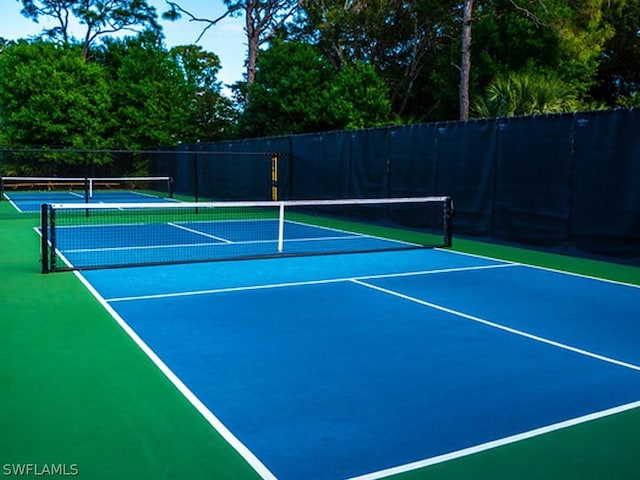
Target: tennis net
{"x":68,"y":189}
{"x":84,"y":236}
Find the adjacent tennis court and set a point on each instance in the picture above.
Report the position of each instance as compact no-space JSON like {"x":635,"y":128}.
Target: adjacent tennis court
{"x":364,"y":365}
{"x":27,"y":194}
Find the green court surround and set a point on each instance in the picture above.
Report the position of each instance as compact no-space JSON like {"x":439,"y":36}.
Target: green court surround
{"x":76,"y":390}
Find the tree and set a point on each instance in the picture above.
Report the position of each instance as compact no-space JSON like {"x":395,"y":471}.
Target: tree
{"x":214,"y":115}
{"x":465,"y":65}
{"x":4,"y":43}
{"x":50,"y":97}
{"x":582,"y":33}
{"x":360,"y":98}
{"x":527,"y":93}
{"x":629,"y":101}
{"x":297,"y":90}
{"x":263,"y":19}
{"x":98,"y":16}
{"x":551,"y":36}
{"x":618,"y":77}
{"x":152,"y":101}
{"x":399,"y":37}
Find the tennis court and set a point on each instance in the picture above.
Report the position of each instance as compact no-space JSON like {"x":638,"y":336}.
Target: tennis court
{"x":364,"y":365}
{"x":27,"y":194}
{"x":359,"y":365}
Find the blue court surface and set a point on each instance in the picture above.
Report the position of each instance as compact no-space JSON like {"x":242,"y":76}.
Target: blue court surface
{"x":139,"y":243}
{"x":363,"y":365}
{"x":31,"y":201}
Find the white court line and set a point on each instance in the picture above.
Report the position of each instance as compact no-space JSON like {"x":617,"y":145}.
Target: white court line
{"x":198,"y":232}
{"x":511,"y":439}
{"x":265,"y":473}
{"x":539,"y":267}
{"x":208,"y":415}
{"x":307,"y":282}
{"x":101,"y":225}
{"x":141,"y":247}
{"x":13,"y":203}
{"x":221,"y":243}
{"x":498,"y":326}
{"x":495,"y":443}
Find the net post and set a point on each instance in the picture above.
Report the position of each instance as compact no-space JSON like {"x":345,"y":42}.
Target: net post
{"x":1,"y":188}
{"x":170,"y":186}
{"x":44,"y":237}
{"x":86,"y":189}
{"x":52,"y":239}
{"x":281,"y":228}
{"x":448,"y":222}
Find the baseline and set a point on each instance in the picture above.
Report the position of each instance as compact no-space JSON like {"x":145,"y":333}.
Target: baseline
{"x":495,"y":443}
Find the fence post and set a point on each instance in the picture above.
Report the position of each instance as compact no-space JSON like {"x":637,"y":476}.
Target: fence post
{"x":274,"y":177}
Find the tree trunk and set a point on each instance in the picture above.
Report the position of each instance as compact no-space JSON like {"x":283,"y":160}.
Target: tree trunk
{"x":253,"y":41}
{"x":465,"y":66}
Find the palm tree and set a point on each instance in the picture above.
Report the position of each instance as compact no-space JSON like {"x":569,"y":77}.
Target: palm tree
{"x":527,"y":93}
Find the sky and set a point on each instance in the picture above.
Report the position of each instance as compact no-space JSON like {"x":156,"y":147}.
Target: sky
{"x":226,"y":39}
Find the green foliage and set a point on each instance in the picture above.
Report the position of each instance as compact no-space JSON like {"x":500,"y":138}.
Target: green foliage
{"x":529,"y":93}
{"x":214,"y":115}
{"x":359,"y":98}
{"x":619,"y":70}
{"x":415,"y":46}
{"x":133,"y":95}
{"x":406,"y":41}
{"x":147,"y":91}
{"x":628,"y":101}
{"x":288,"y":94}
{"x":297,"y":90}
{"x":582,"y":33}
{"x":50,"y":97}
{"x":163,"y":98}
{"x":345,"y":65}
{"x":97,"y":16}
{"x":551,"y":35}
